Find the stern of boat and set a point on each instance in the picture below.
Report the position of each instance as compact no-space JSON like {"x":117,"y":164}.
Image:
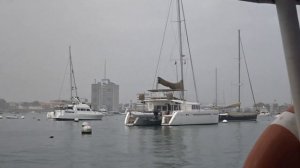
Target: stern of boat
{"x":129,"y":119}
{"x":166,"y":119}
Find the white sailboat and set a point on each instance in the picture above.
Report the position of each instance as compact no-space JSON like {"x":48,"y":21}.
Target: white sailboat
{"x":162,"y":107}
{"x":76,"y":110}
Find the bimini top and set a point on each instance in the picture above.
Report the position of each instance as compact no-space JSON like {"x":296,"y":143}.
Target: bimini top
{"x":268,"y":1}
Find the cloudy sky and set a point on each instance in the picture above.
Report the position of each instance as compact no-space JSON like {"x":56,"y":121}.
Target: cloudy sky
{"x":35,"y":35}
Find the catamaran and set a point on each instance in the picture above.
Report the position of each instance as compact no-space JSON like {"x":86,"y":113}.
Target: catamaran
{"x":168,"y":106}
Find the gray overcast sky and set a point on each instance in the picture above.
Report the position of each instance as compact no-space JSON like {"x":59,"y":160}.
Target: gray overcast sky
{"x":35,"y":35}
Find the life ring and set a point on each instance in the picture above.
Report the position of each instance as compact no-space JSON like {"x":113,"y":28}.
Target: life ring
{"x":278,"y":146}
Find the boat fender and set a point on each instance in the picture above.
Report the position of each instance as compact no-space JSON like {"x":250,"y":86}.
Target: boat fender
{"x":84,"y":124}
{"x":278,"y":145}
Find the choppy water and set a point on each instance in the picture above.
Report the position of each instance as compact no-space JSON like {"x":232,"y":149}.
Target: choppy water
{"x":26,"y":143}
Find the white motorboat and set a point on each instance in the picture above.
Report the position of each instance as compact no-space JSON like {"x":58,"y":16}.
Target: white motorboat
{"x":76,"y":110}
{"x":263,"y":111}
{"x":11,"y":117}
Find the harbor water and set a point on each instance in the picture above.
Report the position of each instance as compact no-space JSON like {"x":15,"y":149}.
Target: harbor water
{"x":37,"y":142}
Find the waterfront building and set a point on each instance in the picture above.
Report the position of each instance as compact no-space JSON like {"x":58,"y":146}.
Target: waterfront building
{"x":105,"y":96}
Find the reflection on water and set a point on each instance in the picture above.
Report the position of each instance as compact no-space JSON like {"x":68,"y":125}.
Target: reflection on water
{"x":26,"y":143}
{"x":169,"y":148}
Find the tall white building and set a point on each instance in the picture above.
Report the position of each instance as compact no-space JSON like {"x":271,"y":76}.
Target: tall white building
{"x":105,"y":95}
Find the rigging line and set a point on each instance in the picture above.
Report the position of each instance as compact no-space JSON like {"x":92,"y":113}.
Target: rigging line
{"x":162,"y":44}
{"x":248,"y":75}
{"x":61,"y":87}
{"x":190,"y":54}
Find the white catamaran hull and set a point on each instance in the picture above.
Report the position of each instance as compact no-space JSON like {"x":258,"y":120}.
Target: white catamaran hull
{"x":202,"y":117}
{"x":142,"y":119}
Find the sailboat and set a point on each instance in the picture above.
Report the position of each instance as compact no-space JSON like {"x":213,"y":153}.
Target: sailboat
{"x":238,"y":115}
{"x":162,"y":107}
{"x":77,"y":110}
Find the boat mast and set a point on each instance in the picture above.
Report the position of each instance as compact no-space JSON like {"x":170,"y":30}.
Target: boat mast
{"x":71,"y":83}
{"x":105,"y":68}
{"x":180,"y":47}
{"x":216,"y":87}
{"x":239,"y":74}
{"x":72,"y":77}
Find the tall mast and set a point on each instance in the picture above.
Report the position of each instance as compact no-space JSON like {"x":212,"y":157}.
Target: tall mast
{"x":216,"y":87}
{"x":72,"y":77}
{"x":180,"y":46}
{"x":105,"y":69}
{"x":239,"y":61}
{"x":71,"y":82}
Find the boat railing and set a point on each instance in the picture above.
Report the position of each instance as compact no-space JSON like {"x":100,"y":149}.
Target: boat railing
{"x":160,"y":95}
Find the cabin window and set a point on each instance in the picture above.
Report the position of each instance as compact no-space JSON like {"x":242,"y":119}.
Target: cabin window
{"x":161,"y":108}
{"x":164,"y":108}
{"x":176,"y":107}
{"x":158,"y":108}
{"x":69,"y":111}
{"x":195,"y":107}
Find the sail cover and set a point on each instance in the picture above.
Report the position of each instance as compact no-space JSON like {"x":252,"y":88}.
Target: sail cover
{"x":173,"y":86}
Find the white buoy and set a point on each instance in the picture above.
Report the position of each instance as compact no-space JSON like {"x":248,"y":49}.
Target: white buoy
{"x":76,"y":119}
{"x":22,"y":117}
{"x":86,"y":129}
{"x":224,"y":121}
{"x":84,"y":124}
